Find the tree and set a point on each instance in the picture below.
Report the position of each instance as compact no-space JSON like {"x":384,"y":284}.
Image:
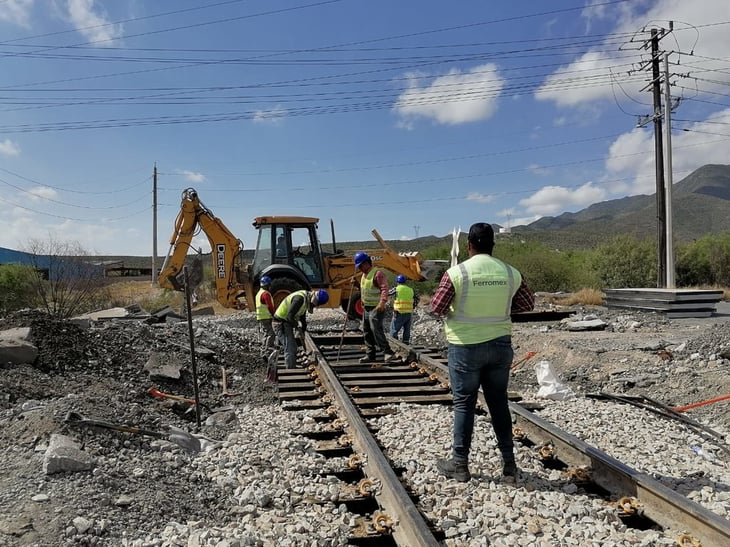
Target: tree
{"x":65,"y":281}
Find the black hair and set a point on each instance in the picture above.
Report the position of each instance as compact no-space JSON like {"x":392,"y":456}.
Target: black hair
{"x":481,"y":236}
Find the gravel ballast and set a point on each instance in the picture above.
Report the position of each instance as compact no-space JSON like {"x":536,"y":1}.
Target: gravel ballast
{"x":258,"y":483}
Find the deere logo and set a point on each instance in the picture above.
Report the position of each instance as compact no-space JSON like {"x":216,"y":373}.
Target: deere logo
{"x":220,"y":251}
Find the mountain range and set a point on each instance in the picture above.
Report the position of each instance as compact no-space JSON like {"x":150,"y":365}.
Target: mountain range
{"x":700,"y":206}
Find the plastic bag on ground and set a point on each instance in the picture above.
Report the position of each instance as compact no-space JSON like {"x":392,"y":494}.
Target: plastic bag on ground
{"x":550,"y":386}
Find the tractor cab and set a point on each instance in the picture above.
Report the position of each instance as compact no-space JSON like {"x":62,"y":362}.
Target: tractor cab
{"x":288,"y":242}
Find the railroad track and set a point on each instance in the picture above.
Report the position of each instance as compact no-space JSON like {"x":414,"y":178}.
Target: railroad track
{"x":346,"y":394}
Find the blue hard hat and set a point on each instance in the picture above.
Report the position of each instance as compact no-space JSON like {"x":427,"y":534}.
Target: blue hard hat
{"x":400,"y":278}
{"x":265,"y":280}
{"x":322,"y":297}
{"x":360,"y":257}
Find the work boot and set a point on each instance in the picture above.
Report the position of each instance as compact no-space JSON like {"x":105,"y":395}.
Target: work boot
{"x":509,"y":470}
{"x":367,"y":359}
{"x":390,"y":358}
{"x":456,"y":471}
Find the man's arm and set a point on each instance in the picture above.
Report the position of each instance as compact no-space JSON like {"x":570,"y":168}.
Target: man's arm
{"x":523,"y":300}
{"x":268,"y":301}
{"x":443,"y":296}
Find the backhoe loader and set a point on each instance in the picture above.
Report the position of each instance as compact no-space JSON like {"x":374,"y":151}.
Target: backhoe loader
{"x":288,"y":251}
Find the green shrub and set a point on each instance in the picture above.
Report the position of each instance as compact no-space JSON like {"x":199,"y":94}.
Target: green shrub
{"x":704,"y":262}
{"x":17,"y":289}
{"x":545,"y":269}
{"x":625,"y":261}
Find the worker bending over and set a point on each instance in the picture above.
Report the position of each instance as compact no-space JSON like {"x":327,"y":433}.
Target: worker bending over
{"x":292,"y":311}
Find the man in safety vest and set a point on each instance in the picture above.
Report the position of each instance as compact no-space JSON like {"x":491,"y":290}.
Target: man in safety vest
{"x":374,"y":296}
{"x":477,"y":298}
{"x":264,"y":313}
{"x":292,"y":311}
{"x":402,"y":309}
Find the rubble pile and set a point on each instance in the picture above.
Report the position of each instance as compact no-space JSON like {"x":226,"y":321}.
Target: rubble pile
{"x":63,"y":484}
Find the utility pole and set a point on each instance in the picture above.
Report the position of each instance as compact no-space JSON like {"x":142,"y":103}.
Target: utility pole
{"x":416,"y":229}
{"x":670,"y":281}
{"x":154,"y":224}
{"x":658,"y":160}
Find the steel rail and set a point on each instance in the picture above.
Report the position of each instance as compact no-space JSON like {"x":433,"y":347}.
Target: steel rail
{"x":661,"y":504}
{"x":410,"y":529}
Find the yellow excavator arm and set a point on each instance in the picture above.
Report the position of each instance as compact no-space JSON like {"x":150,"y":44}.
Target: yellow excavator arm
{"x":226,"y":251}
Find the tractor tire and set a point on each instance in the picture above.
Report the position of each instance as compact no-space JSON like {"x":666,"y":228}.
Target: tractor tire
{"x":281,"y":287}
{"x":354,"y":305}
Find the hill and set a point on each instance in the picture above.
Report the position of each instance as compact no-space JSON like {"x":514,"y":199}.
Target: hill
{"x":701,"y":202}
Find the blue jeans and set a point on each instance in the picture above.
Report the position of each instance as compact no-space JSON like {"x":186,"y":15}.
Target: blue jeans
{"x":401,"y":321}
{"x":372,"y":329}
{"x":487,"y":365}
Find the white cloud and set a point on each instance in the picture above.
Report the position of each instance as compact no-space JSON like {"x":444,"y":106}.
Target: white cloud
{"x":43,"y":192}
{"x":200,"y":242}
{"x":274,"y":116}
{"x":555,"y":199}
{"x":588,"y":77}
{"x":632,"y":154}
{"x":192,"y":176}
{"x":9,"y":148}
{"x":524,"y":221}
{"x":455,"y":98}
{"x":479,"y":198}
{"x":536,"y":169}
{"x":584,"y":80}
{"x":91,"y":21}
{"x":95,"y":238}
{"x":16,"y":12}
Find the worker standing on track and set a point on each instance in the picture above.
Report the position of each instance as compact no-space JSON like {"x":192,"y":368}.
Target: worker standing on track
{"x":291,"y":312}
{"x":264,"y":314}
{"x":374,"y":296}
{"x":477,"y":298}
{"x":402,"y":309}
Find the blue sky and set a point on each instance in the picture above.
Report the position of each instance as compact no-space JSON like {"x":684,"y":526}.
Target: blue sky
{"x":410,"y":117}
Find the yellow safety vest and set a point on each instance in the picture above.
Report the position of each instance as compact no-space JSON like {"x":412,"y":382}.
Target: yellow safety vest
{"x":262,"y":310}
{"x":282,"y":312}
{"x":369,"y":293}
{"x":481,"y":309}
{"x":403,"y":302}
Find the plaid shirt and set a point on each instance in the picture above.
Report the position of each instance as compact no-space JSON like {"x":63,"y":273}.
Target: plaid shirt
{"x":522,"y":301}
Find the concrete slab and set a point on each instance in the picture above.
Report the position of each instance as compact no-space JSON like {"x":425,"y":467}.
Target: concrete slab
{"x":16,"y":348}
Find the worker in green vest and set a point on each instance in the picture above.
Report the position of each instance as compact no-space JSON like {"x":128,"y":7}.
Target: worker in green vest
{"x":402,"y":309}
{"x":477,"y":298}
{"x":292,"y":313}
{"x":374,"y":297}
